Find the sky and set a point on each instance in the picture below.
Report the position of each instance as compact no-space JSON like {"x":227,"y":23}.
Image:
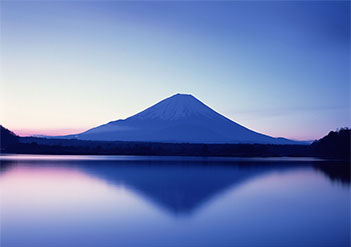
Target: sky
{"x":281,"y":68}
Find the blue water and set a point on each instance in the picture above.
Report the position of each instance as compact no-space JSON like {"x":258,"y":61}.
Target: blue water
{"x":172,"y":201}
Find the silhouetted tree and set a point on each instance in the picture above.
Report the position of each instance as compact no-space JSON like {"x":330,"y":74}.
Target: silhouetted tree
{"x":335,"y":145}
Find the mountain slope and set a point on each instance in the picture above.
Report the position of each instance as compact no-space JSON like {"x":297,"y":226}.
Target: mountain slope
{"x":7,"y":138}
{"x":180,"y":118}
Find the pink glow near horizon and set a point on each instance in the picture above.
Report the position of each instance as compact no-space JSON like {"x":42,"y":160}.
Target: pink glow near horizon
{"x":48,"y":132}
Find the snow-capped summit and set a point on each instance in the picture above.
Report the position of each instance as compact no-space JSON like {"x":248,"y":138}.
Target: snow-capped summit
{"x":178,"y":106}
{"x":181,"y":118}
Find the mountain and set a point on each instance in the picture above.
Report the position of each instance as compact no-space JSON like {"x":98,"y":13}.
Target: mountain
{"x":180,"y":118}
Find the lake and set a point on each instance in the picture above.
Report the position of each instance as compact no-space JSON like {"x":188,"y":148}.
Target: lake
{"x":172,"y":201}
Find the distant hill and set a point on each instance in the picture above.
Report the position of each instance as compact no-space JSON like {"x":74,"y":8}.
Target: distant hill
{"x":7,"y":138}
{"x":180,"y":118}
{"x":36,"y":145}
{"x":334,"y":145}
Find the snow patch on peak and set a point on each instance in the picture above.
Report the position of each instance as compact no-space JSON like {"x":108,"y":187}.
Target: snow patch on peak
{"x":178,"y":106}
{"x":182,"y":95}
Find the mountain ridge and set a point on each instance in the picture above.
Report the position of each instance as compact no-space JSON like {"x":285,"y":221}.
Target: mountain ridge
{"x":180,"y":118}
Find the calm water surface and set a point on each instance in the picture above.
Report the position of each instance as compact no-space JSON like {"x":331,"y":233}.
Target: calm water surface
{"x":149,"y":201}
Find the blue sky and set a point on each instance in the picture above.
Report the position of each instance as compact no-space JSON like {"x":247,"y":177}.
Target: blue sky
{"x":280,"y":68}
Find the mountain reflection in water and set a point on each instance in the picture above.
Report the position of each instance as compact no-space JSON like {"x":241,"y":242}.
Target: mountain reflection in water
{"x":136,"y":202}
{"x":181,"y":187}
